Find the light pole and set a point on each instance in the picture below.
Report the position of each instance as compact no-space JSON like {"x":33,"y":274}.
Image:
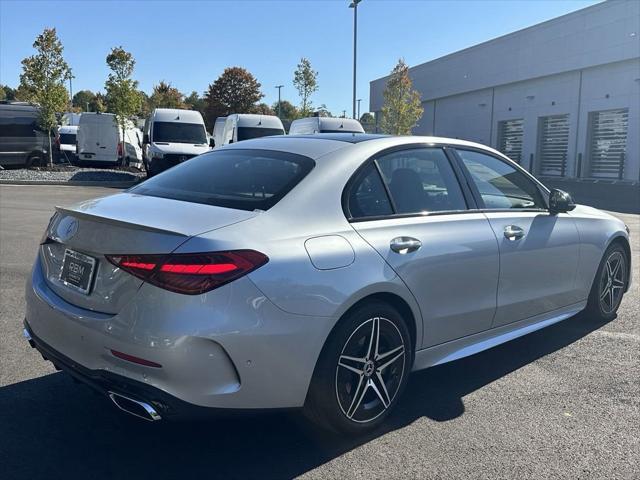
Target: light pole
{"x":354,"y":5}
{"x":279,"y":87}
{"x":359,"y":100}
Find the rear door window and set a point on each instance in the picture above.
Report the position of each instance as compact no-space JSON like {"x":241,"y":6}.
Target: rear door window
{"x":241,"y":179}
{"x":421,"y":180}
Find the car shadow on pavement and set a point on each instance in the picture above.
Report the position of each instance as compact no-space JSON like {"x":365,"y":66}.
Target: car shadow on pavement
{"x":51,"y":427}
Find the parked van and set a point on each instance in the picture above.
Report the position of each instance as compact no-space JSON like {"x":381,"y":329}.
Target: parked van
{"x":244,"y":126}
{"x":98,"y":138}
{"x":66,"y":142}
{"x":132,"y":146}
{"x":172,"y":136}
{"x":311,"y":125}
{"x":218,"y":128}
{"x":22,"y":141}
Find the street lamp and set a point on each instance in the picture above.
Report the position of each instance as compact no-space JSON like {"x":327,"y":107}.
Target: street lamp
{"x":279,"y":87}
{"x":354,"y":5}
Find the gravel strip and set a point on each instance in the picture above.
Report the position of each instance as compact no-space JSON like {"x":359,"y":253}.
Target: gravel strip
{"x":74,"y":174}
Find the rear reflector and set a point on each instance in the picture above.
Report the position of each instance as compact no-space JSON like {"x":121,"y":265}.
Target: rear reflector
{"x":190,"y":273}
{"x":138,"y":360}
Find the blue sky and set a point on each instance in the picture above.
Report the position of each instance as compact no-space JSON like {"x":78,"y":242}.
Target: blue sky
{"x":190,"y":43}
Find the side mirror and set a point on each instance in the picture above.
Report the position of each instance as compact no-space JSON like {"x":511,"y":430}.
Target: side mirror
{"x":560,"y":201}
{"x":145,"y":138}
{"x":212,"y":142}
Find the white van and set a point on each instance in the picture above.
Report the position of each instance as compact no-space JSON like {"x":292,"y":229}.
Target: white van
{"x":244,"y":126}
{"x":218,"y":128}
{"x":172,"y":136}
{"x":98,"y":138}
{"x":66,"y":142}
{"x":132,"y":146}
{"x":311,"y":125}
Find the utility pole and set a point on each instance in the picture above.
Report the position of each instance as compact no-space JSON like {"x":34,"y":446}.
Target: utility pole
{"x":70,"y":94}
{"x":344,"y":114}
{"x":359,"y":100}
{"x":354,"y":5}
{"x":279,"y":87}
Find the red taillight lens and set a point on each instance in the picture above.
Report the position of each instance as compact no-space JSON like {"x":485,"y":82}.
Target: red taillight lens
{"x":190,"y":273}
{"x":119,"y":149}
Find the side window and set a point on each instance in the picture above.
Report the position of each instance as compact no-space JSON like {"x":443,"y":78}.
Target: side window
{"x":367,"y":197}
{"x":501,"y":185}
{"x":421,"y":180}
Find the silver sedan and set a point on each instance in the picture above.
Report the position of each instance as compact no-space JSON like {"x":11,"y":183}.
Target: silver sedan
{"x":315,"y":272}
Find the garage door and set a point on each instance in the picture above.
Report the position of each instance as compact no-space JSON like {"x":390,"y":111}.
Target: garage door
{"x":510,"y":138}
{"x":553,"y":143}
{"x":608,"y":143}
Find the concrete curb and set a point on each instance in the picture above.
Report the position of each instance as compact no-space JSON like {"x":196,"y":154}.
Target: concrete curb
{"x":123,"y":184}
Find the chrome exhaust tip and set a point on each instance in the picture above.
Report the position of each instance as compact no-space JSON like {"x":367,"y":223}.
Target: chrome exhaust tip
{"x":27,"y":335}
{"x":135,"y":407}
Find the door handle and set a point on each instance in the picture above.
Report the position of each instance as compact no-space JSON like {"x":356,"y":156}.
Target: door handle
{"x":513,"y":232}
{"x":404,"y":245}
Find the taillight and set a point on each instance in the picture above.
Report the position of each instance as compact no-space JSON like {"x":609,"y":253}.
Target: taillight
{"x":119,"y":150}
{"x":190,"y":273}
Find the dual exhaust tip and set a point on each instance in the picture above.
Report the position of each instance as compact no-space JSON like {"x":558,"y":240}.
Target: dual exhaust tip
{"x":133,"y":407}
{"x":136,"y":408}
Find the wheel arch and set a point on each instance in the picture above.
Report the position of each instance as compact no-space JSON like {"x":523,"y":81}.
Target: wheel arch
{"x":623,"y":241}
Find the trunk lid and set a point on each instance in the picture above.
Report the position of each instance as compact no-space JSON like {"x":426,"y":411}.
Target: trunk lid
{"x":122,"y":224}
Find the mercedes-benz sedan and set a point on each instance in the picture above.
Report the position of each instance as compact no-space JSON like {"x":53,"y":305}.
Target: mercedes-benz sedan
{"x":313,"y":271}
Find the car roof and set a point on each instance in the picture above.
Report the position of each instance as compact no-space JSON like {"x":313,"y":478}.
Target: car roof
{"x":176,"y":115}
{"x":68,"y":129}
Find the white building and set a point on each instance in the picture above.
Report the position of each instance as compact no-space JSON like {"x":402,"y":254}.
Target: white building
{"x":562,"y":97}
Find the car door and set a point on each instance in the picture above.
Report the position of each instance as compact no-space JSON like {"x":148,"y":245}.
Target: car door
{"x":409,"y":205}
{"x":538,"y":250}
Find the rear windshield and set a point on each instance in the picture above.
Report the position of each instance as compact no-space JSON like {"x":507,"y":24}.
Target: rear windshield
{"x":342,"y":130}
{"x":241,"y":179}
{"x":68,"y":138}
{"x":174,"y":132}
{"x":246,"y":133}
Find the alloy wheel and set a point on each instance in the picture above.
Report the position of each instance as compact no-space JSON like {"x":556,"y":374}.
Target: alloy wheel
{"x":612,"y":282}
{"x":370,"y":370}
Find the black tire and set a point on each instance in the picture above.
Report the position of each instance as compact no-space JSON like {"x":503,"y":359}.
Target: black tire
{"x":336,"y":387}
{"x":35,"y":160}
{"x":609,"y":284}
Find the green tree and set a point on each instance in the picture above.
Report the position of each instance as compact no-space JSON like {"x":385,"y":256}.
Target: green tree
{"x":402,"y":106}
{"x":235,"y":91}
{"x":123,"y":97}
{"x":166,"y":96}
{"x":194,"y":101}
{"x":288,"y":110}
{"x":305,"y":79}
{"x":7,"y":93}
{"x":43,"y":81}
{"x":99,"y":103}
{"x":263,"y":109}
{"x":83,"y":99}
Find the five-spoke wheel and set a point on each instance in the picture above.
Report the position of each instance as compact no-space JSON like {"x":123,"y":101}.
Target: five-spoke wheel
{"x":609,"y":285}
{"x":362,"y":370}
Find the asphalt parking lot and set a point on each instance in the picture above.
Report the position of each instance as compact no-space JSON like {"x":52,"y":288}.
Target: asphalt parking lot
{"x":563,"y":402}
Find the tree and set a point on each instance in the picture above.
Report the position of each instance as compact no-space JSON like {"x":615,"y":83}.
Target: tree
{"x":123,"y":97}
{"x":84,"y":99}
{"x":166,"y":96}
{"x":305,"y":79}
{"x":7,"y":93}
{"x":288,"y":110}
{"x":263,"y":109}
{"x":367,"y":118}
{"x":194,"y":101}
{"x":43,"y":81}
{"x":99,"y":103}
{"x":235,"y":91}
{"x":402,"y":106}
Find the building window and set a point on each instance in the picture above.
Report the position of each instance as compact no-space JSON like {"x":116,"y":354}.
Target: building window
{"x":553,"y":145}
{"x":510,"y":134}
{"x":608,"y":143}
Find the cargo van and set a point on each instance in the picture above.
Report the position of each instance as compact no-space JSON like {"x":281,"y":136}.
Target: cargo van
{"x":244,"y":126}
{"x":218,"y":128}
{"x":66,"y":142}
{"x":172,"y":136}
{"x":98,"y":138}
{"x":311,"y":125}
{"x":22,"y":141}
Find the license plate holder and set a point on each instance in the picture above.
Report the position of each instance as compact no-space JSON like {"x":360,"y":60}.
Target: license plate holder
{"x":77,"y":271}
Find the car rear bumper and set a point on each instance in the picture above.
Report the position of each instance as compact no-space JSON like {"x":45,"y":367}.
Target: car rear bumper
{"x":230,"y":348}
